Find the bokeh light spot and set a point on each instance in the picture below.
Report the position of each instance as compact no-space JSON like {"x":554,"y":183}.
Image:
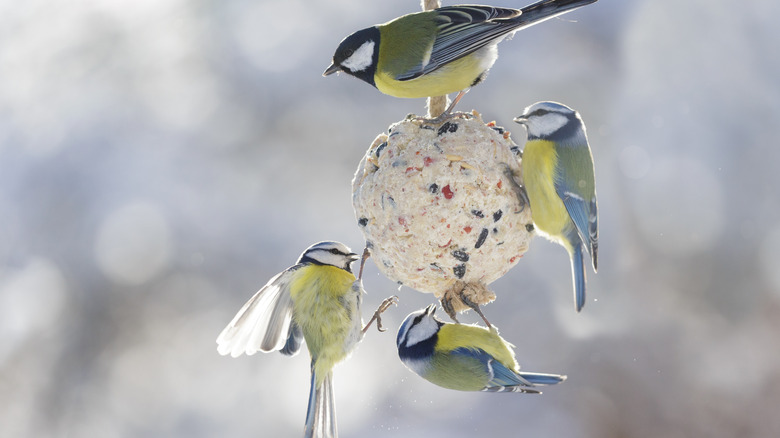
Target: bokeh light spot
{"x":31,"y":301}
{"x":133,"y":243}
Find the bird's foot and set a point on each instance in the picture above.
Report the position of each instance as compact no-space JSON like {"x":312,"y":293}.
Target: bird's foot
{"x":442,"y":119}
{"x":378,"y":314}
{"x":522,"y":194}
{"x":467,"y":301}
{"x":472,"y":294}
{"x":446,"y":304}
{"x":447,"y":114}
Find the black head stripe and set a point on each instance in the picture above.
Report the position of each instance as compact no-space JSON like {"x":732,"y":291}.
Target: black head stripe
{"x":421,"y":349}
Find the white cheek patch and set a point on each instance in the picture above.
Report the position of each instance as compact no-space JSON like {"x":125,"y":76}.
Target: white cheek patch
{"x":422,"y":331}
{"x":547,"y":124}
{"x":327,"y":258}
{"x":361,"y":59}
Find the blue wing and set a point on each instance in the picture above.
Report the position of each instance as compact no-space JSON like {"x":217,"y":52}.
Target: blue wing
{"x":294,"y":340}
{"x":576,"y":186}
{"x":501,"y":378}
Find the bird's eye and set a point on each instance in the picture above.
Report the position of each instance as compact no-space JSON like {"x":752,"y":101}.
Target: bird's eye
{"x":539,"y":112}
{"x":348,"y":53}
{"x":335,"y":251}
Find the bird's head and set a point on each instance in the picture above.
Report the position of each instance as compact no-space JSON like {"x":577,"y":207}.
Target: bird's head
{"x":549,"y":119}
{"x":329,"y":253}
{"x":418,"y":327}
{"x":357,"y":55}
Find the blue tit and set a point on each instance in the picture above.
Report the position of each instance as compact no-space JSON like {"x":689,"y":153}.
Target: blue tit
{"x":463,"y":357}
{"x":316,"y":300}
{"x":561,"y":184}
{"x":437,"y":52}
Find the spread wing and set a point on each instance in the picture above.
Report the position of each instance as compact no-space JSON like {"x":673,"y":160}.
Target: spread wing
{"x":462,"y":30}
{"x":264,"y":323}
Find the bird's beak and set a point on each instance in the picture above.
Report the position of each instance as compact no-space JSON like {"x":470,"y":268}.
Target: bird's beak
{"x":430,"y":310}
{"x":521,"y":119}
{"x":352,"y":256}
{"x":332,"y":69}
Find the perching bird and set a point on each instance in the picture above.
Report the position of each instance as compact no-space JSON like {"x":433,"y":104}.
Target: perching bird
{"x":463,"y":357}
{"x":437,"y":52}
{"x":316,"y":300}
{"x":561,"y":185}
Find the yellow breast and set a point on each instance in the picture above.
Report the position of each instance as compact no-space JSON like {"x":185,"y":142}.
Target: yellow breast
{"x":450,"y":78}
{"x":326,"y":308}
{"x":548,"y":212}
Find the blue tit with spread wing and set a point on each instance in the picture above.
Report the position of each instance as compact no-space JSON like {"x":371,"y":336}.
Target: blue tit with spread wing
{"x":317,"y":301}
{"x":560,"y":182}
{"x":463,"y":357}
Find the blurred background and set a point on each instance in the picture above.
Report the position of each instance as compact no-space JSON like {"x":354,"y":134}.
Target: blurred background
{"x":160,"y":160}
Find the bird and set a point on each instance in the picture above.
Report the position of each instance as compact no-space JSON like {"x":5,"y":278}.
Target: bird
{"x":463,"y":357}
{"x":317,"y":300}
{"x":437,"y":52}
{"x":560,"y":183}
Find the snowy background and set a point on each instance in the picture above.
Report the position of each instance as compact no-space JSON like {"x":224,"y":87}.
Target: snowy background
{"x":161,"y":159}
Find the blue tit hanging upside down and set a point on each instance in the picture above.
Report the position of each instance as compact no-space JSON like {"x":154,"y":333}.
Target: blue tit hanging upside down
{"x":316,"y":300}
{"x":437,"y":52}
{"x":463,"y":357}
{"x":561,"y":185}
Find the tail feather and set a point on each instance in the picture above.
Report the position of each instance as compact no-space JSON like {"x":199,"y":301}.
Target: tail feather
{"x":578,"y":275}
{"x":546,"y":9}
{"x":543,"y":379}
{"x":515,"y":388}
{"x":321,"y":414}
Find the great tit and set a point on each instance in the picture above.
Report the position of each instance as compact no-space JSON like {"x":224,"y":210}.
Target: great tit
{"x":316,"y":300}
{"x":463,"y":357}
{"x":560,"y":182}
{"x":437,"y":52}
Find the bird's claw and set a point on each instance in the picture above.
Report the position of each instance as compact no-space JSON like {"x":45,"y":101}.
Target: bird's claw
{"x":444,"y":117}
{"x":446,"y":304}
{"x":378,"y":314}
{"x":366,"y":255}
{"x":520,"y":192}
{"x":467,"y":301}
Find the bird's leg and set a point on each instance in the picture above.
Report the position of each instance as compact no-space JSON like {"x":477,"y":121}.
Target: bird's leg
{"x":455,"y":101}
{"x":523,"y":194}
{"x":447,"y":114}
{"x":366,"y":255}
{"x":475,"y":306}
{"x":467,"y":301}
{"x":378,"y":314}
{"x":446,"y":304}
{"x":519,"y":190}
